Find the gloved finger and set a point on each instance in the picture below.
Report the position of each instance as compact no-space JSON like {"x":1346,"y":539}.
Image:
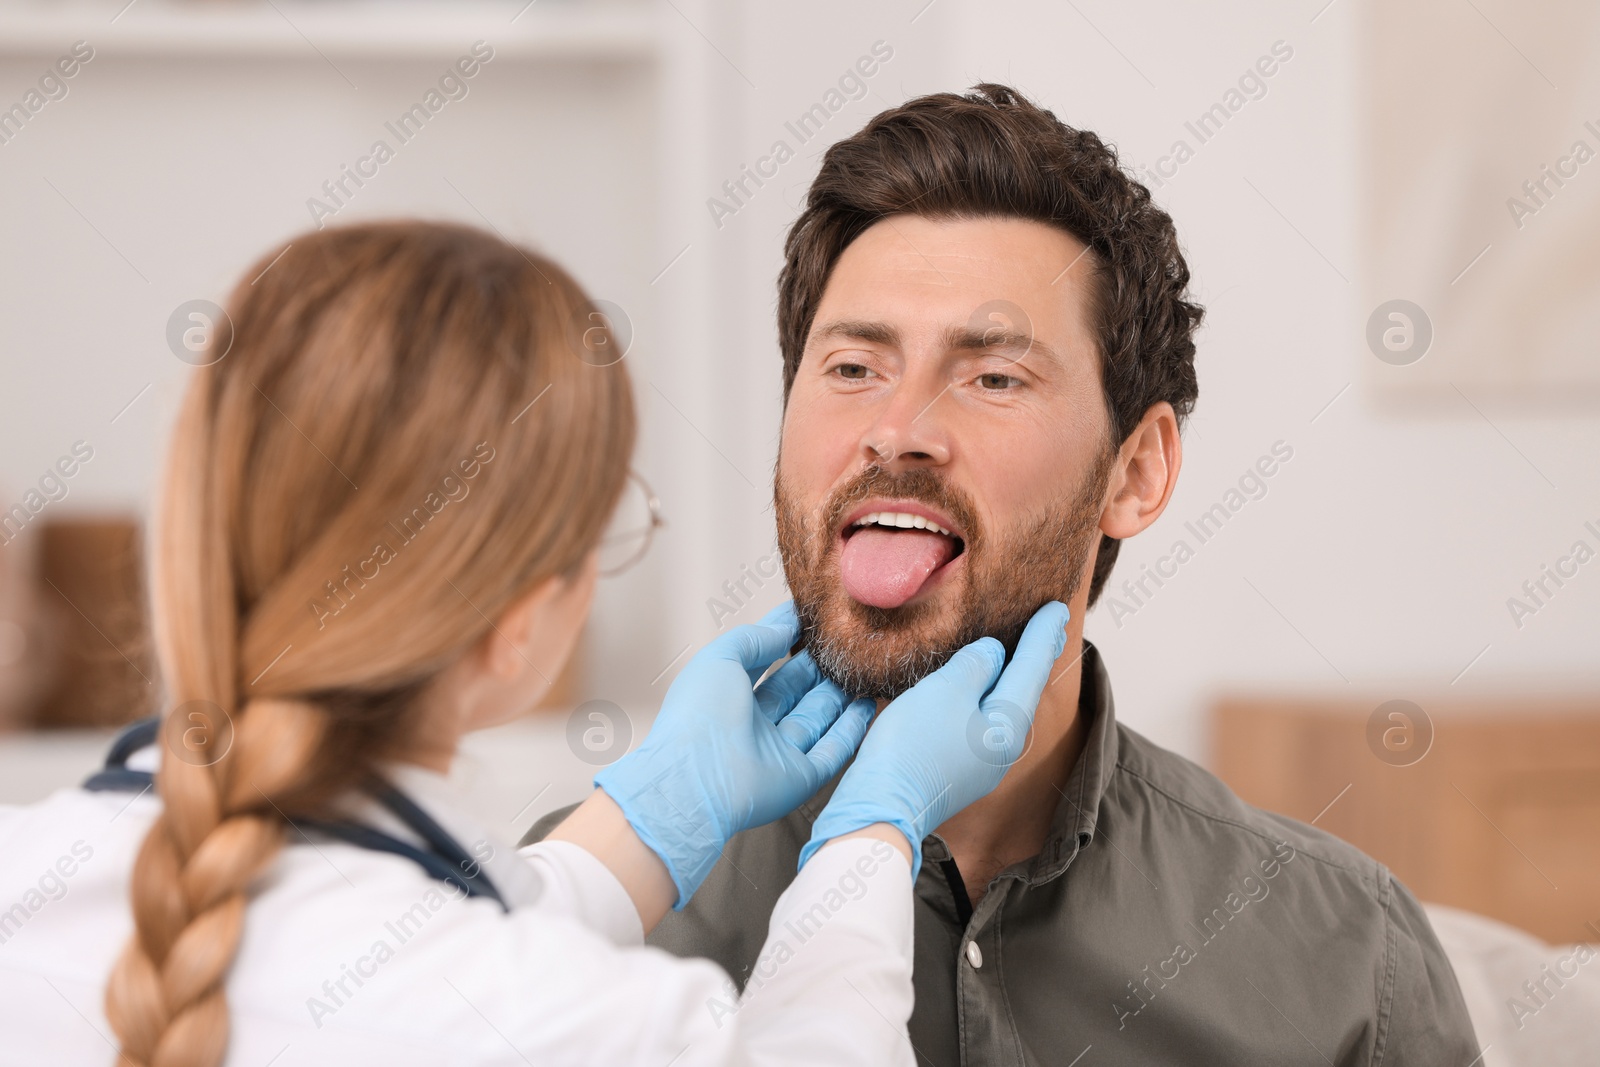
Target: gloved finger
{"x":816,"y":711}
{"x":778,"y":695}
{"x":783,"y":614}
{"x":1023,"y":681}
{"x":968,"y":674}
{"x":784,"y":618}
{"x":756,"y":647}
{"x":829,"y":755}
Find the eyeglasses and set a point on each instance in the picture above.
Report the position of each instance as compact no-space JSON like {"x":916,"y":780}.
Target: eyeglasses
{"x":633,"y":525}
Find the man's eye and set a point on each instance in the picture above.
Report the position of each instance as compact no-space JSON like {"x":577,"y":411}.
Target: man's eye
{"x":852,"y":371}
{"x":997,"y":381}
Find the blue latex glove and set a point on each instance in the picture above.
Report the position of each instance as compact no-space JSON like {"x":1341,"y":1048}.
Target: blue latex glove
{"x":724,"y":756}
{"x":946,"y":741}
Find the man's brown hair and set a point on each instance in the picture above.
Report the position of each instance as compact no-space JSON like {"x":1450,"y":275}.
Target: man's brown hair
{"x":992,"y":152}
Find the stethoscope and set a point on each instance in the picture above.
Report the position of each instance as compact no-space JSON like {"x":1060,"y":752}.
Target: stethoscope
{"x":444,"y":859}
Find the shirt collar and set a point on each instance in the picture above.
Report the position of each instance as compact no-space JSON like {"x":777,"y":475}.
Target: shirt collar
{"x":1078,"y":806}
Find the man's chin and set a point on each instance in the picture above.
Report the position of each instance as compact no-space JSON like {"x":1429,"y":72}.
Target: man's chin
{"x":882,"y":652}
{"x":879,"y":652}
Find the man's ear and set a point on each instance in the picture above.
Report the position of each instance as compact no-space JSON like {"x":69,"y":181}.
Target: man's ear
{"x":1145,"y":474}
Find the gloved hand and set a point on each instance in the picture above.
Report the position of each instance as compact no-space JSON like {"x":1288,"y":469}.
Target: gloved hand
{"x":946,"y":741}
{"x":723,"y":757}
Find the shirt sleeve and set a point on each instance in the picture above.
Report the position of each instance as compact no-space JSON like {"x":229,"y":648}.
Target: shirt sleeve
{"x":832,"y":984}
{"x":1423,"y":1021}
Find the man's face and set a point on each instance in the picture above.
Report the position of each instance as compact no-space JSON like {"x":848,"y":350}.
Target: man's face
{"x":950,"y":378}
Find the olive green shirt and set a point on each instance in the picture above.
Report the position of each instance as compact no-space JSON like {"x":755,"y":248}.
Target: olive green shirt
{"x":1165,"y":921}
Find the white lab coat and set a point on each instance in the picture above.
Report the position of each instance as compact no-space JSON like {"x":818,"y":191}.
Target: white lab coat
{"x":351,"y":956}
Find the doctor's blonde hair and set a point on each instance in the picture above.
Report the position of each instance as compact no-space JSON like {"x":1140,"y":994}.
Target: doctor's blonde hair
{"x":368,"y":369}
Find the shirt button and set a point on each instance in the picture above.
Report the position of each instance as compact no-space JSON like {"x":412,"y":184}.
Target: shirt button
{"x":974,"y":955}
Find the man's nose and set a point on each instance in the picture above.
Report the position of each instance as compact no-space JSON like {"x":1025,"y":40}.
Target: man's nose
{"x":910,"y":430}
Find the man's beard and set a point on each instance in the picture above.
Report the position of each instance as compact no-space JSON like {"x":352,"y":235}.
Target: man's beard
{"x":882,"y":652}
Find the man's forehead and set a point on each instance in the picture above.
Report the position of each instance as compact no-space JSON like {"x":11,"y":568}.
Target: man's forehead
{"x":962,"y":282}
{"x":976,"y":243}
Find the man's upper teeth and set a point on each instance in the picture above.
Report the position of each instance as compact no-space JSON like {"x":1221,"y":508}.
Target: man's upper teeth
{"x":903,"y":520}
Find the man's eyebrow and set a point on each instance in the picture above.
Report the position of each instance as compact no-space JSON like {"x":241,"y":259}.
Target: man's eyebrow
{"x":880,"y":333}
{"x":997,"y":339}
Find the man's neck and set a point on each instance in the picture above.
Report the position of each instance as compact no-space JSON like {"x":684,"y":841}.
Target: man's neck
{"x":1011,"y":823}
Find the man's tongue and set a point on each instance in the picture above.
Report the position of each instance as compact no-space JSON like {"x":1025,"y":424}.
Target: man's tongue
{"x":885,"y":568}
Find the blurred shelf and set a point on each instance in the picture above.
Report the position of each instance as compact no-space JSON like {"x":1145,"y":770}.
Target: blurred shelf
{"x":280,"y":29}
